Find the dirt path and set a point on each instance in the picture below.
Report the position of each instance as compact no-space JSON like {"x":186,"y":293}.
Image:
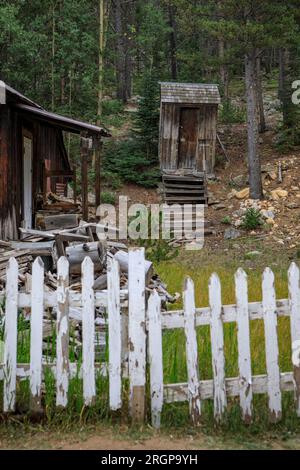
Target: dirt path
{"x":118,"y":439}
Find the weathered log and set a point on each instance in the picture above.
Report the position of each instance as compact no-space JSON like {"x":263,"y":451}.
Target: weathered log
{"x":76,"y":254}
{"x":101,"y":282}
{"x":122,"y":257}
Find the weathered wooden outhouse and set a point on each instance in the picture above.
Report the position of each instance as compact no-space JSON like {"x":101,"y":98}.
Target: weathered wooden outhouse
{"x":188,"y":130}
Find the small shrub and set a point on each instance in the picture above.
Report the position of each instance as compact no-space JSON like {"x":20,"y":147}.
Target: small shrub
{"x":113,"y":107}
{"x":226,"y":220}
{"x":128,"y":160}
{"x":112,"y":180}
{"x":231,"y":114}
{"x":108,"y":198}
{"x":252,"y":219}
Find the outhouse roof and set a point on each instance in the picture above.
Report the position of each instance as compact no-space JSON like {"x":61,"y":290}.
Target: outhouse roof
{"x":189,"y":93}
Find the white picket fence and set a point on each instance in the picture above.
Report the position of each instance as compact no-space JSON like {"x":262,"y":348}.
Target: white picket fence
{"x":132,"y":319}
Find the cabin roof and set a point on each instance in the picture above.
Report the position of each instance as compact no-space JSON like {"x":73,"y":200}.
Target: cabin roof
{"x":9,"y":95}
{"x":189,"y":93}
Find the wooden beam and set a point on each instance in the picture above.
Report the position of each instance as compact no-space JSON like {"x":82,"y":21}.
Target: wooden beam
{"x":84,"y":146}
{"x":98,"y":147}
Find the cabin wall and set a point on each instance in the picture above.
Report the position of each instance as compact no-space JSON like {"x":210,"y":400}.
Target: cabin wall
{"x":169,"y":136}
{"x":47,"y":144}
{"x":9,"y":171}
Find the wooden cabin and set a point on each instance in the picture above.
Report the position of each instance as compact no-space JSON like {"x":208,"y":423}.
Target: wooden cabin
{"x":188,"y":130}
{"x":33,"y":157}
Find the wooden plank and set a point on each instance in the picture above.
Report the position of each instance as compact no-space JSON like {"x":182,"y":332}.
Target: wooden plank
{"x":10,"y":337}
{"x":294,"y":304}
{"x":191,"y":351}
{"x":84,"y":176}
{"x":88,"y":331}
{"x":189,"y":191}
{"x":179,"y":392}
{"x":175,"y":319}
{"x":137,"y":334}
{"x":243,"y":336}
{"x":271,"y":342}
{"x":61,"y":221}
{"x":155,"y":358}
{"x":62,"y":332}
{"x":217,"y":347}
{"x":114,"y":331}
{"x":39,"y":233}
{"x":36,"y":335}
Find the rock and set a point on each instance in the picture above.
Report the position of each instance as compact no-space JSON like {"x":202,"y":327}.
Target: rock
{"x":240,"y":180}
{"x":243,"y":194}
{"x":231,"y":234}
{"x":219,"y":207}
{"x":293,"y":205}
{"x":270,"y":221}
{"x":279,"y":193}
{"x":267,"y":214}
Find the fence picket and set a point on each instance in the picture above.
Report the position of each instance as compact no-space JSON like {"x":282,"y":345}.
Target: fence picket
{"x":36,"y":335}
{"x":294,"y":304}
{"x":155,"y":358}
{"x":191,"y":350}
{"x":217,"y":347}
{"x":62,"y":325}
{"x":137,"y":333}
{"x":271,"y":341}
{"x":114,"y":332}
{"x":88,"y":331}
{"x":10,"y":336}
{"x":244,"y":353}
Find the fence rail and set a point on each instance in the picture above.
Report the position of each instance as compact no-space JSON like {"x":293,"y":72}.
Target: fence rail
{"x":133,"y":317}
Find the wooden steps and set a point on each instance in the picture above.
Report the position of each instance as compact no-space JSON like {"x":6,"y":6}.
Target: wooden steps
{"x":184,"y":189}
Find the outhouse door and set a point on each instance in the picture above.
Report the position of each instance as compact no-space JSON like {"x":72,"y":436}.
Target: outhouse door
{"x":27,"y":180}
{"x":188,"y":138}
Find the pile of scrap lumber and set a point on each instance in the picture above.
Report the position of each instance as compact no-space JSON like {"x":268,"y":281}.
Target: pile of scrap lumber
{"x":75,"y":243}
{"x":23,"y":257}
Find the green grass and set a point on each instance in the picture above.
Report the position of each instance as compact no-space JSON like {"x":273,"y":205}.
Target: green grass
{"x":199,"y":266}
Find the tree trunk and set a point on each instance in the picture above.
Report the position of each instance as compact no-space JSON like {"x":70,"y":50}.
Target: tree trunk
{"x":120,"y":59}
{"x":100,"y":60}
{"x":254,"y":166}
{"x":53,"y":59}
{"x":260,"y":101}
{"x":173,"y":42}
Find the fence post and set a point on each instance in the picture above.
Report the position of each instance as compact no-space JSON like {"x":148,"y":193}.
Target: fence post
{"x":217,"y":347}
{"x":36,"y":335}
{"x":10,"y":336}
{"x":88,"y":331}
{"x":244,"y":353}
{"x":294,"y":304}
{"x":62,"y":341}
{"x":114,"y":334}
{"x":191,"y":350}
{"x":155,"y":358}
{"x":137,"y":333}
{"x":271,"y":340}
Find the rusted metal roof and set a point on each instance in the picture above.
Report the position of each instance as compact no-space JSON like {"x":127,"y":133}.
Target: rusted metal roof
{"x":9,"y":95}
{"x":189,"y":93}
{"x":64,"y":123}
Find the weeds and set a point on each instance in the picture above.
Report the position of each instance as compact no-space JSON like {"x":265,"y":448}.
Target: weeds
{"x":252,"y":219}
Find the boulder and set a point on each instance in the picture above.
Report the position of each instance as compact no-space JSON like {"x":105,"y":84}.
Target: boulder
{"x":231,"y":234}
{"x":278,"y":193}
{"x":243,"y":194}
